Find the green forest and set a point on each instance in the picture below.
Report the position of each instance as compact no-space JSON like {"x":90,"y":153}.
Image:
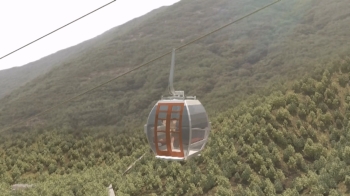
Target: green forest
{"x":291,"y":142}
{"x":276,"y":89}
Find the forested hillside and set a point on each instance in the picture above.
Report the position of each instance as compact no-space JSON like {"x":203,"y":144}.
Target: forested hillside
{"x":273,"y":132}
{"x":291,"y":142}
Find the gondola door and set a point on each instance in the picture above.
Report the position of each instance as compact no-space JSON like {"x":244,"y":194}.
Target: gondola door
{"x":167,"y":132}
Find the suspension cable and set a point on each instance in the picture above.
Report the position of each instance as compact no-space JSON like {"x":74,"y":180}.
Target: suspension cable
{"x":132,"y":165}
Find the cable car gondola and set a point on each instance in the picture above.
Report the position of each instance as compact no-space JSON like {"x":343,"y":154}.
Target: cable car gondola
{"x":178,"y":126}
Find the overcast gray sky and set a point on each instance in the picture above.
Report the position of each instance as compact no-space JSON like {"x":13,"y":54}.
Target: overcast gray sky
{"x":24,"y":21}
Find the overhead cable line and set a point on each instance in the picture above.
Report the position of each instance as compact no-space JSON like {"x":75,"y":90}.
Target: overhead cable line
{"x":56,"y":30}
{"x":130,"y":166}
{"x":138,"y":67}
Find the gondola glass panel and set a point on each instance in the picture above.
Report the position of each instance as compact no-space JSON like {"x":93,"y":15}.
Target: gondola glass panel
{"x":199,"y":127}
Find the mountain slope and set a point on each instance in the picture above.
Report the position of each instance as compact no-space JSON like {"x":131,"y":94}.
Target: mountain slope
{"x":13,"y":78}
{"x":224,"y":66}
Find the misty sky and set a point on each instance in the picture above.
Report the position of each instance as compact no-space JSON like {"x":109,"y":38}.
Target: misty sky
{"x":24,"y":21}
